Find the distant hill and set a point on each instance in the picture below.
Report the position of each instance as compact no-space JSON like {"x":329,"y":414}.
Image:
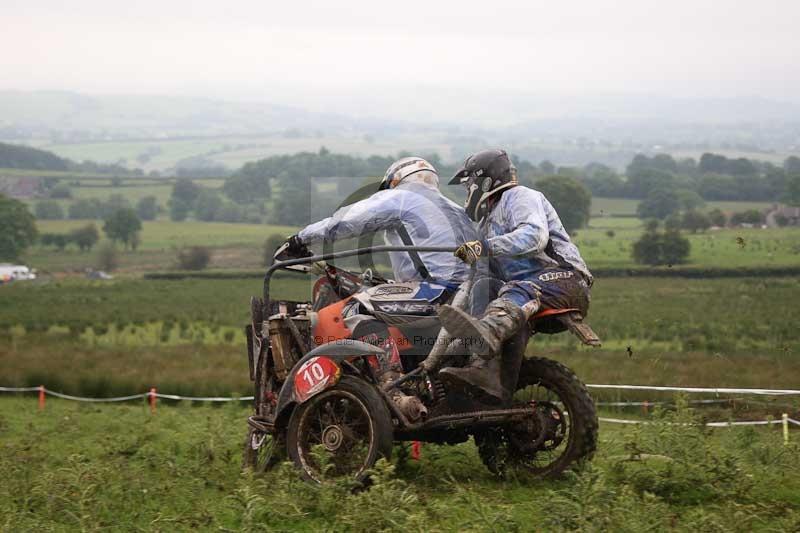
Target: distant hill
{"x":72,"y":117}
{"x":24,"y":157}
{"x":27,"y":158}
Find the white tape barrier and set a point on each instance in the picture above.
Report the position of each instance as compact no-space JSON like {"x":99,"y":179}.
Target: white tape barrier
{"x":709,"y":424}
{"x":201,"y":398}
{"x":653,"y":404}
{"x":763,"y":392}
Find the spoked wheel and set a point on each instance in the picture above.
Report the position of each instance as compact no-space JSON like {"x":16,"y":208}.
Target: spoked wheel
{"x":342,"y":431}
{"x":560,"y":432}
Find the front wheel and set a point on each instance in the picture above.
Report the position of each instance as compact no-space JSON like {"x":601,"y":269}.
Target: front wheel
{"x":561,"y":431}
{"x":342,"y":431}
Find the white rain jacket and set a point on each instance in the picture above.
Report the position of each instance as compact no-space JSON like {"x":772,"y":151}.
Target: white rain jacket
{"x":415,"y":204}
{"x":525,"y":235}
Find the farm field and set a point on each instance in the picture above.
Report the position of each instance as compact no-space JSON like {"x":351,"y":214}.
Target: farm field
{"x":627,"y":206}
{"x":127,"y":335}
{"x":234,"y":246}
{"x":234,"y":151}
{"x":117,"y":467}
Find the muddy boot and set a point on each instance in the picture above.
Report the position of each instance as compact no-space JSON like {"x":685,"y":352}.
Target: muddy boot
{"x":479,"y":378}
{"x":485,"y":337}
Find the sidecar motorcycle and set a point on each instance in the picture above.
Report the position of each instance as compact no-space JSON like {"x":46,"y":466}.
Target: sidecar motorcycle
{"x":318,"y":401}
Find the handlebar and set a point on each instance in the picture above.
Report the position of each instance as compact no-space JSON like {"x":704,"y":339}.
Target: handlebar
{"x":338,"y":255}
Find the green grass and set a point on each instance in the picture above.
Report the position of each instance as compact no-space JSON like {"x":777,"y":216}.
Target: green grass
{"x":119,"y":468}
{"x":127,"y":334}
{"x":720,"y":248}
{"x":234,"y":246}
{"x":627,"y":206}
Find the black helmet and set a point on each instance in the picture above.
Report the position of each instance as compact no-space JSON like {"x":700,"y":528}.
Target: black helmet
{"x":485,"y":174}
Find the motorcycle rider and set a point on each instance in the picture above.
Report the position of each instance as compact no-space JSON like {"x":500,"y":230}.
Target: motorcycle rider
{"x":529,"y":250}
{"x":410,"y":210}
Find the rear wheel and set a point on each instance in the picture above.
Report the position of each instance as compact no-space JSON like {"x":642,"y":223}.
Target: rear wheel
{"x":561,"y":431}
{"x":342,"y":431}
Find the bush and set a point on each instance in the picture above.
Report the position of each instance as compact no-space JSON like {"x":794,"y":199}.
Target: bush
{"x":656,"y":248}
{"x":695,"y":221}
{"x":107,"y":257}
{"x":270,"y":245}
{"x":659,"y":204}
{"x":717,"y":218}
{"x":48,"y":210}
{"x":85,"y":237}
{"x":147,"y":208}
{"x":194,"y":258}
{"x":60,"y":191}
{"x":781,"y":220}
{"x":751,"y":216}
{"x":57,"y":240}
{"x":85,"y":209}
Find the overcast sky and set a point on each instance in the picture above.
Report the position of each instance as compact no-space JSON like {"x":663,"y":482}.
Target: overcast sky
{"x":291,"y":51}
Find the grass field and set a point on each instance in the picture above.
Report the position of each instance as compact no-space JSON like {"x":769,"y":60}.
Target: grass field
{"x":627,"y":206}
{"x":119,"y":468}
{"x":127,"y":335}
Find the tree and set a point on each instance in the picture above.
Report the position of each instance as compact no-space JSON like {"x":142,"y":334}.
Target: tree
{"x":751,"y":216}
{"x":658,"y":204}
{"x":58,"y":240}
{"x":717,"y":218}
{"x":546,"y":167}
{"x":178,"y":209}
{"x":17,"y":228}
{"x":194,"y":258}
{"x":695,"y":221}
{"x":48,"y":210}
{"x":147,"y":208}
{"x":122,"y":225}
{"x":207,"y":206}
{"x":84,"y":209}
{"x":85,"y":237}
{"x":647,"y":250}
{"x":689,"y":200}
{"x":656,"y":248}
{"x":675,"y":248}
{"x":107,"y":257}
{"x":792,"y":196}
{"x":185,"y":190}
{"x":792,"y":165}
{"x":270,"y":245}
{"x":570,"y":198}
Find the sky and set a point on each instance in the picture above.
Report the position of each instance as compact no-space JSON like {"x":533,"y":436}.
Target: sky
{"x":342,"y":55}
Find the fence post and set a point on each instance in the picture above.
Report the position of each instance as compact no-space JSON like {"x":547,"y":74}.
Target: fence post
{"x":153,"y":398}
{"x":41,"y":397}
{"x":785,"y":421}
{"x":645,"y":405}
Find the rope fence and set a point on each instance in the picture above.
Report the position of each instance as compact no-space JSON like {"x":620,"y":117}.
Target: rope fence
{"x":153,"y":395}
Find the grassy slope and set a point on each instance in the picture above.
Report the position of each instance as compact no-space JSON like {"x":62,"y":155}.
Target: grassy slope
{"x":116,"y":467}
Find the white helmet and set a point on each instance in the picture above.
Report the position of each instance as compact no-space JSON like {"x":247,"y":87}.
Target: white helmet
{"x":403,"y":168}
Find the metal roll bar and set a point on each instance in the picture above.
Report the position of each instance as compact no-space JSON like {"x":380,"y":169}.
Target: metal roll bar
{"x":338,"y":255}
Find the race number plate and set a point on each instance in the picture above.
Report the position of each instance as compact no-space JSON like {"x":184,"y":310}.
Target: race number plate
{"x":315,"y":375}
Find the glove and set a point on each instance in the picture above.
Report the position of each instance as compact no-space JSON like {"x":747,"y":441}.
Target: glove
{"x":469,"y":252}
{"x":296,"y":248}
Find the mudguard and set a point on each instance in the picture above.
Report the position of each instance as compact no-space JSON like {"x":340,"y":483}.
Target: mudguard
{"x":336,"y":352}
